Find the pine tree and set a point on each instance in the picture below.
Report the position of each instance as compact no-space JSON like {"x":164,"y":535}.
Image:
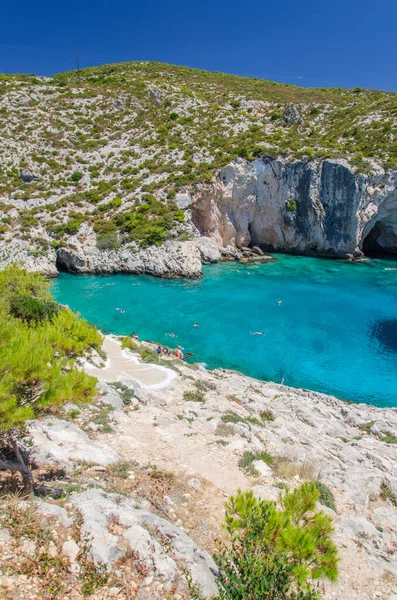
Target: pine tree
{"x":276,"y":554}
{"x":39,"y":344}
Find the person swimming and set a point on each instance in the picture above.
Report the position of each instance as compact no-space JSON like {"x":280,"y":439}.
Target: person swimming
{"x":279,"y":301}
{"x":171,"y":335}
{"x":257,"y":333}
{"x":196,"y":325}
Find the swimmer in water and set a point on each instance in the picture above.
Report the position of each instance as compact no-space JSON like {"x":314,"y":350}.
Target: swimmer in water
{"x":279,"y":301}
{"x":196,"y":325}
{"x":257,"y":333}
{"x":122,"y":311}
{"x":171,"y":335}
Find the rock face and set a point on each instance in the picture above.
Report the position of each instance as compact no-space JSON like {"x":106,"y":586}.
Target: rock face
{"x":172,"y":259}
{"x":21,"y":253}
{"x":300,"y":207}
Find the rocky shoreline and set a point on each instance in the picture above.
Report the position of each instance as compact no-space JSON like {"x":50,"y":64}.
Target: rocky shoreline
{"x":170,"y":260}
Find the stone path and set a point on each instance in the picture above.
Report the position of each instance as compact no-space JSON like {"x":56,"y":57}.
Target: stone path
{"x":121,"y":363}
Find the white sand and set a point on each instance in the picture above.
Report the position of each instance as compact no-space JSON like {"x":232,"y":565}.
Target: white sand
{"x":123,"y":363}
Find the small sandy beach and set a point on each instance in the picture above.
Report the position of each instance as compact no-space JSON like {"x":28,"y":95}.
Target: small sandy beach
{"x":121,"y":363}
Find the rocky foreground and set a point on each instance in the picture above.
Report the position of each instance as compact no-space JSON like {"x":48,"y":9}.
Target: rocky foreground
{"x":145,"y":474}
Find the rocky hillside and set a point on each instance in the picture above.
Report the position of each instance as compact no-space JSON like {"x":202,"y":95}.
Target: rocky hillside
{"x":116,"y":159}
{"x":145,"y":471}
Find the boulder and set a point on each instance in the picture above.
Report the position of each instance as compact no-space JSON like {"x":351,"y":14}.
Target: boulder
{"x":209,"y":250}
{"x":55,"y":440}
{"x":27,"y":176}
{"x":292,"y":115}
{"x":183,"y":200}
{"x":55,"y":511}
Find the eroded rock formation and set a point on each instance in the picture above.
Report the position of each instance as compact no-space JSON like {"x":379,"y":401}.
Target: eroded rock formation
{"x":302,"y":207}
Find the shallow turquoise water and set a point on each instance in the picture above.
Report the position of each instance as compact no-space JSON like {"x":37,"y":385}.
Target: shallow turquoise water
{"x":335,"y":330}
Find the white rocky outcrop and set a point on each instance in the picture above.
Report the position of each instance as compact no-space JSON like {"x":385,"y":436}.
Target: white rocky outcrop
{"x":56,"y":440}
{"x":172,"y":259}
{"x":302,"y":207}
{"x":163,"y":549}
{"x":26,"y":255}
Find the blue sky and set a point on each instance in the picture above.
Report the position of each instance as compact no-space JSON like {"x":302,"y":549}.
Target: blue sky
{"x":344,"y":43}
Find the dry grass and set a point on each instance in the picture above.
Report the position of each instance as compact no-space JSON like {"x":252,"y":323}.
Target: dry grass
{"x":225,"y":429}
{"x":284,"y":468}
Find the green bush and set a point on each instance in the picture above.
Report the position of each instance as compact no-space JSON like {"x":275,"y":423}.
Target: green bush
{"x":247,"y":460}
{"x":291,"y":205}
{"x":127,"y":342}
{"x":194,"y":396}
{"x":37,"y":359}
{"x":326,"y":496}
{"x":276,"y":553}
{"x":107,"y":241}
{"x":149,"y":356}
{"x":76,"y":176}
{"x":29,"y":308}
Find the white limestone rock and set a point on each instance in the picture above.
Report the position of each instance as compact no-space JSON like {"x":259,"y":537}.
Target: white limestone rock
{"x":320,"y":208}
{"x":172,"y":259}
{"x":55,"y":440}
{"x":164,"y":549}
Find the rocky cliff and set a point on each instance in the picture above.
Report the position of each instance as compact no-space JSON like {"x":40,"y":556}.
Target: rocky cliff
{"x":301,"y":207}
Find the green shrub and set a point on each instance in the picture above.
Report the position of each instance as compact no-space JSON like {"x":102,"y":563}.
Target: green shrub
{"x":107,"y":241}
{"x":126,"y":393}
{"x":149,"y":356}
{"x":291,"y":205}
{"x":247,"y":460}
{"x":127,"y":342}
{"x":388,"y":494}
{"x":326,"y":496}
{"x":267,"y":415}
{"x":276,"y":553}
{"x":30,"y":308}
{"x":76,"y":176}
{"x":194,"y":396}
{"x":37,"y":359}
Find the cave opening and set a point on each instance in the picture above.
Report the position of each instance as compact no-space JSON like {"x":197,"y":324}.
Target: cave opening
{"x":380,"y":241}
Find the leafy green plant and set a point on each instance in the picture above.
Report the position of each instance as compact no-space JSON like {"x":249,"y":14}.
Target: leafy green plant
{"x":292,"y":205}
{"x":30,"y":308}
{"x":107,"y":241}
{"x":37,"y":356}
{"x":326,"y":496}
{"x":76,"y":176}
{"x":267,"y":415}
{"x":276,"y":553}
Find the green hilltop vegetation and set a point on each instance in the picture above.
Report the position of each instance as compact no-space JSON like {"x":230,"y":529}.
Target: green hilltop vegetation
{"x":112,"y":145}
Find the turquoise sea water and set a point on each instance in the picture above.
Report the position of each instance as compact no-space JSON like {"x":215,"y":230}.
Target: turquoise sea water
{"x":335,"y":330}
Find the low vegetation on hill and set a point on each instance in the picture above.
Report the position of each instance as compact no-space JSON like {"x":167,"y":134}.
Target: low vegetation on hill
{"x":112,"y":145}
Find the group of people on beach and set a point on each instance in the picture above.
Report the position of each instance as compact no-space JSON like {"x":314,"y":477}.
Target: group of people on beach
{"x":164,"y":352}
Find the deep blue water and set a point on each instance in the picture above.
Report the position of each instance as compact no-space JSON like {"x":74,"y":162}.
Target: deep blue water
{"x":335,"y":330}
